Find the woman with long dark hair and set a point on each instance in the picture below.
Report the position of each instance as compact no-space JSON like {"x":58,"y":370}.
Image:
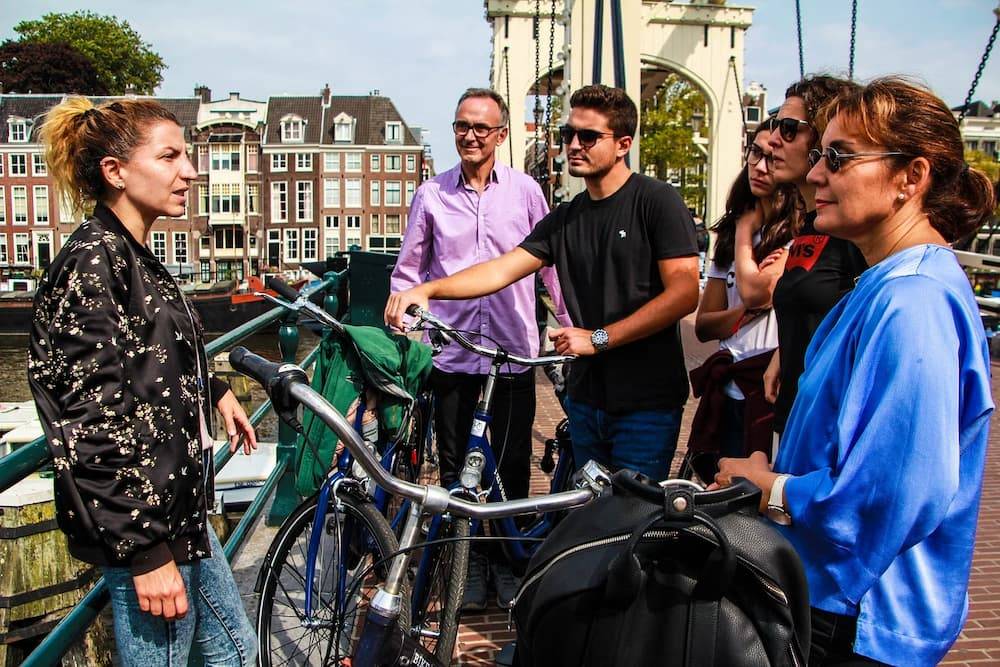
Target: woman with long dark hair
{"x":118,"y":371}
{"x":749,"y":256}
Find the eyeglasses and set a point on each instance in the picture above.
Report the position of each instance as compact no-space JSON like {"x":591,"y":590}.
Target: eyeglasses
{"x":755,"y":154}
{"x":479,"y":130}
{"x":788,"y":128}
{"x":833,"y":158}
{"x":587,"y":138}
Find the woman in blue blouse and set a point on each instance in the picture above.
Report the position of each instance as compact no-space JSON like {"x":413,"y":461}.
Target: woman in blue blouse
{"x":878,"y":480}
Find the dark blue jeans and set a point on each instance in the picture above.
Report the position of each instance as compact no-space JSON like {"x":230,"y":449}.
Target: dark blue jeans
{"x":216,"y":626}
{"x":644,"y":440}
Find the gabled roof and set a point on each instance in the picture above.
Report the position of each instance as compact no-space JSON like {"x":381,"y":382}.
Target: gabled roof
{"x":371,"y":113}
{"x":310,"y":109}
{"x":35,"y":106}
{"x":31,"y":107}
{"x":979,"y":109}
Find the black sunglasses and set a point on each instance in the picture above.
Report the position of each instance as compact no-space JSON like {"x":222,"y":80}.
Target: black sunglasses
{"x":788,"y":128}
{"x":587,"y":138}
{"x":755,"y":154}
{"x":479,"y":130}
{"x":834,"y":159}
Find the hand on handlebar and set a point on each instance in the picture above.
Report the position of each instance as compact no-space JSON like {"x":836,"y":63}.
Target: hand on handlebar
{"x":571,"y":340}
{"x":400,"y":302}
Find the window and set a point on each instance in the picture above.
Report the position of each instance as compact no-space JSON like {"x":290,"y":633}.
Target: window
{"x":354,"y":241}
{"x":180,"y":248}
{"x":303,"y":162}
{"x":206,"y":271}
{"x":331,"y":193}
{"x":392,"y":224}
{"x":354,"y":222}
{"x":159,"y":246}
{"x":332,"y":222}
{"x":753,"y":114}
{"x":331,"y":162}
{"x":410,"y":188}
{"x":3,"y":206}
{"x":393,"y":132}
{"x":4,"y":259}
{"x":279,"y":162}
{"x":331,"y":243}
{"x":18,"y":131}
{"x":304,"y":201}
{"x":18,"y":164}
{"x":202,"y":159}
{"x":352,"y":161}
{"x":38,"y":166}
{"x":392,"y":193}
{"x":205,"y":245}
{"x":375,"y":161}
{"x":41,"y":202}
{"x":225,"y":157}
{"x":309,"y":238}
{"x":203,"y":200}
{"x":225,"y":198}
{"x":279,"y":202}
{"x":374,"y":192}
{"x":393,"y":163}
{"x":291,"y":245}
{"x":21,"y":249}
{"x":352,"y":193}
{"x":292,"y":130}
{"x":411,"y":163}
{"x":19,"y":203}
{"x":228,"y":238}
{"x":252,"y":157}
{"x":376,"y":227}
{"x":1,"y":164}
{"x":253,"y":198}
{"x":343,"y":129}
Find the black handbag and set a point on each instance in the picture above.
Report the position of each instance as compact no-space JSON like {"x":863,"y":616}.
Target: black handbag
{"x":648,"y":575}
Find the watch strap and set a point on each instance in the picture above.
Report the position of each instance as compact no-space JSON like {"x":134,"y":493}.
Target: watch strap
{"x":777,"y":497}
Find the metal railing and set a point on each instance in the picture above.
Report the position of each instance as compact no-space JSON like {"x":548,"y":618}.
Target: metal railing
{"x":27,"y":459}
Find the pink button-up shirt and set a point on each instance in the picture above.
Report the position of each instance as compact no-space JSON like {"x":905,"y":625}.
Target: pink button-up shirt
{"x":451,"y":227}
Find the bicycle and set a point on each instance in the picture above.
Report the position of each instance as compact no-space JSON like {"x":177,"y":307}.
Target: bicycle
{"x":381,"y":634}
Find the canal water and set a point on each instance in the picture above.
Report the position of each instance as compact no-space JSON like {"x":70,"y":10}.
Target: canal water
{"x":14,"y":376}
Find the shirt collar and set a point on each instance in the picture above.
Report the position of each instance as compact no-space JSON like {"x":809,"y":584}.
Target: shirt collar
{"x":494,"y":174}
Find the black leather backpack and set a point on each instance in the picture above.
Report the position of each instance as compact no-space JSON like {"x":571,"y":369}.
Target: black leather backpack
{"x":664,"y":576}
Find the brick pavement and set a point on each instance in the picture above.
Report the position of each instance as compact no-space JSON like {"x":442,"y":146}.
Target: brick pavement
{"x":481,"y":635}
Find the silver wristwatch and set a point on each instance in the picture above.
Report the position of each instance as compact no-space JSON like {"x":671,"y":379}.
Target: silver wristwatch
{"x":599,"y":339}
{"x":776,"y":511}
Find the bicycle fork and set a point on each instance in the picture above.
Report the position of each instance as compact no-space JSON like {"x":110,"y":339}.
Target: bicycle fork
{"x":383,"y":642}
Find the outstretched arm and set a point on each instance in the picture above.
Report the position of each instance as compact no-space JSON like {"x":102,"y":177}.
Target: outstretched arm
{"x":475,"y":281}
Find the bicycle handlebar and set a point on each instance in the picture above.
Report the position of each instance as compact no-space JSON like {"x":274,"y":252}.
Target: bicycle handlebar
{"x":296,"y":301}
{"x":424,"y":316}
{"x":288,"y":385}
{"x":283,"y":289}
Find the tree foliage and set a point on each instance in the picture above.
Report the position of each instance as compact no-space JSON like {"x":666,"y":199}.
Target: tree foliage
{"x":118,"y":53}
{"x":47,"y":67}
{"x":668,"y":149}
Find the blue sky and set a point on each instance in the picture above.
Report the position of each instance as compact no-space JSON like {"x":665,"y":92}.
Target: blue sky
{"x":424,"y":54}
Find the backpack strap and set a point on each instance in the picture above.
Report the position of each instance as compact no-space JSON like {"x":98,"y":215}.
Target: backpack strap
{"x":703,"y":627}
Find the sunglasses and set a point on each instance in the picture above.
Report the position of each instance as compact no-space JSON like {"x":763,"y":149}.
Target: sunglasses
{"x":788,"y":128}
{"x":834,"y":159}
{"x":479,"y":130}
{"x":587,"y":138}
{"x":755,"y":154}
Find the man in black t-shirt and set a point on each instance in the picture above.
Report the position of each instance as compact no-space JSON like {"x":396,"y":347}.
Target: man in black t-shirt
{"x":627,"y":258}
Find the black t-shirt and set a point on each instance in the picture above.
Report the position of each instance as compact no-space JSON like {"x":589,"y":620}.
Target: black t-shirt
{"x":605,"y":253}
{"x":819,"y":271}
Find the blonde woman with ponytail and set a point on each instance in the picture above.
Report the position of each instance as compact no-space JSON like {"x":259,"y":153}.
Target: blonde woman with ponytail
{"x":118,"y":371}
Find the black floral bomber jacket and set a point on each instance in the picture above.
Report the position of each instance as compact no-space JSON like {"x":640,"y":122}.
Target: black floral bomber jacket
{"x":117,"y":368}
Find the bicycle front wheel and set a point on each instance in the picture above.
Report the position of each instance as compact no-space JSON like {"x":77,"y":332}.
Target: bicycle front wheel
{"x":435,"y":620}
{"x":355,"y":537}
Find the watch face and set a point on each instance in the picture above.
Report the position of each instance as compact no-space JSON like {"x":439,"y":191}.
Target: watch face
{"x":599,"y":338}
{"x":778,"y":515}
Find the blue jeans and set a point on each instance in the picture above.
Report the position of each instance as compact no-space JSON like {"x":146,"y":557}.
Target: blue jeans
{"x":644,"y":440}
{"x":216,"y":627}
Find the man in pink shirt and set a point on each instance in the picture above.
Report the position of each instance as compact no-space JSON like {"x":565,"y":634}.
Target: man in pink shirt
{"x":475,"y":211}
